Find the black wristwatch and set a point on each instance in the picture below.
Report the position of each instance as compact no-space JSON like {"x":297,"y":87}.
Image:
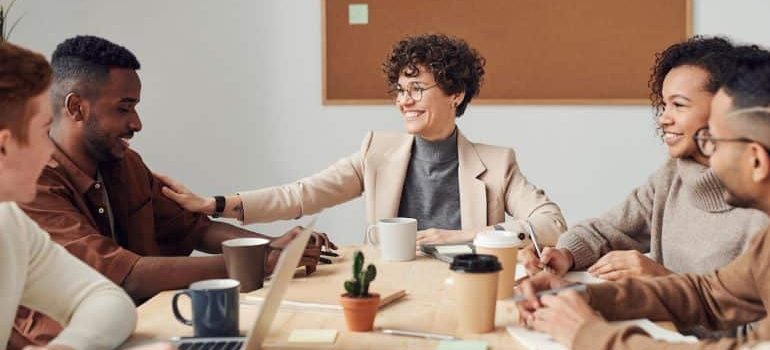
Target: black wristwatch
{"x":219,"y":206}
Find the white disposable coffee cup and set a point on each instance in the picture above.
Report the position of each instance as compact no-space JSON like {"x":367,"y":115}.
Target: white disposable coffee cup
{"x":505,"y":246}
{"x":396,"y":238}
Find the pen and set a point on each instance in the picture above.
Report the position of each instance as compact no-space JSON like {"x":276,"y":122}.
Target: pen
{"x":418,"y":334}
{"x":539,"y":252}
{"x":578,"y":287}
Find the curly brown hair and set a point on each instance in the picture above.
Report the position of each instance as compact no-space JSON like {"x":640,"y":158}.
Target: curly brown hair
{"x":23,"y":74}
{"x":711,"y":54}
{"x":456,"y":66}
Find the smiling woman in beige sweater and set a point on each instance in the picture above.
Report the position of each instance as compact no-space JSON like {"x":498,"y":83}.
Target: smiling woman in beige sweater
{"x":678,"y":216}
{"x":34,"y":271}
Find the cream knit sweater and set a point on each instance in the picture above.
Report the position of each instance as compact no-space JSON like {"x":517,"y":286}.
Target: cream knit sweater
{"x":37,"y":273}
{"x":679,"y":216}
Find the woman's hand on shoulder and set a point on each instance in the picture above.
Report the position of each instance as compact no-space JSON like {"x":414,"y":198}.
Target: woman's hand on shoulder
{"x":188,"y":200}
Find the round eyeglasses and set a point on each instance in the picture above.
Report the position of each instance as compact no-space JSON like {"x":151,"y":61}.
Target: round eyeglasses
{"x":413,"y":90}
{"x":707,"y":144}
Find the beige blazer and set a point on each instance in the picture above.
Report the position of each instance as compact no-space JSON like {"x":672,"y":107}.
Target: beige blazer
{"x":491,"y":185}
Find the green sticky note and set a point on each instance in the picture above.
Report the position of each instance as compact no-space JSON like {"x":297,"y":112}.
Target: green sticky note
{"x":461,"y":345}
{"x":358,"y":14}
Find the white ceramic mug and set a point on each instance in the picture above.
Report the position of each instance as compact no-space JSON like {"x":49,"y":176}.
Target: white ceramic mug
{"x":396,"y":238}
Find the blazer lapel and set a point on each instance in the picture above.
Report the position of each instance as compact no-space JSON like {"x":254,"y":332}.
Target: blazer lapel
{"x":473,"y":194}
{"x":390,"y":179}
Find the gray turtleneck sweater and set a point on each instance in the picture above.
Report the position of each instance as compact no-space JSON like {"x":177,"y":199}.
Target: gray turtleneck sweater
{"x":679,"y":216}
{"x":431,"y":189}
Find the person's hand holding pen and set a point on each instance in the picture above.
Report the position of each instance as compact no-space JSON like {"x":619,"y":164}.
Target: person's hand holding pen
{"x":538,"y":258}
{"x":555,"y":260}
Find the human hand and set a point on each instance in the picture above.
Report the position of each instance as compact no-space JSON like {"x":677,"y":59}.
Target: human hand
{"x":317,"y":239}
{"x":556,"y":260}
{"x":441,"y":236}
{"x":563,"y":315}
{"x":626,"y":263}
{"x":178,"y":193}
{"x":310,"y":257}
{"x":529,"y":287}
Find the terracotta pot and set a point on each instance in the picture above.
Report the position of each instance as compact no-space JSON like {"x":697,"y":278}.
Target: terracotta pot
{"x":360,"y":312}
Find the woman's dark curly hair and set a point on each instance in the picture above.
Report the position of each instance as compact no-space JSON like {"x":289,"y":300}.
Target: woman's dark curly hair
{"x":456,"y":66}
{"x":712,"y":54}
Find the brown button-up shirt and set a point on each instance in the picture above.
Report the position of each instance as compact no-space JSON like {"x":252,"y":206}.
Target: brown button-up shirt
{"x":71,"y":206}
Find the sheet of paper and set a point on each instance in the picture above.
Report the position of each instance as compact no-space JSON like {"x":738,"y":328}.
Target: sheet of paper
{"x":520,"y":271}
{"x":461,"y":345}
{"x":358,"y":14}
{"x":454,"y":249}
{"x":572,"y":276}
{"x":536,"y":340}
{"x":318,"y":336}
{"x":532,"y":340}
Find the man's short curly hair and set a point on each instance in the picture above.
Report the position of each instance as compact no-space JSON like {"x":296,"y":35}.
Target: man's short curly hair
{"x":711,"y":54}
{"x":83,"y":63}
{"x":456,"y":66}
{"x":23,"y":75}
{"x":749,"y":84}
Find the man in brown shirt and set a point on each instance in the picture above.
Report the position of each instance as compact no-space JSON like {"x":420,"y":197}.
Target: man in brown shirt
{"x":99,"y":200}
{"x":738,"y":144}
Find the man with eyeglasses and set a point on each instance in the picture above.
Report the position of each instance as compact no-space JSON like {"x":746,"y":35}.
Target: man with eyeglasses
{"x":737,"y":144}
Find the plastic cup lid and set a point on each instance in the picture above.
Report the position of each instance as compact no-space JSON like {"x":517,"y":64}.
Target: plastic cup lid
{"x":475,"y":263}
{"x":497,"y":239}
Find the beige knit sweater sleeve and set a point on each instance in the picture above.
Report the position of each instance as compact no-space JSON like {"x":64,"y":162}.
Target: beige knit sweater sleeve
{"x":727,"y":298}
{"x":627,"y":226}
{"x":96,"y":313}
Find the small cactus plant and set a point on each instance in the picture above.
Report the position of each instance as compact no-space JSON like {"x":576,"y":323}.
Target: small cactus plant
{"x":358,"y":287}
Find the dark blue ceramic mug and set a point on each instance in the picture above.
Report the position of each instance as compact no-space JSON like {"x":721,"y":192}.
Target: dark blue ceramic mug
{"x":214,"y":307}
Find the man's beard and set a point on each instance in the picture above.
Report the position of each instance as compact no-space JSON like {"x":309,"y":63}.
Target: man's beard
{"x":97,"y":143}
{"x":737,"y":201}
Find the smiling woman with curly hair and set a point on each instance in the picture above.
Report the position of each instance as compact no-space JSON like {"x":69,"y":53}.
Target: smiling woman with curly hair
{"x":679,"y":216}
{"x":453,"y":187}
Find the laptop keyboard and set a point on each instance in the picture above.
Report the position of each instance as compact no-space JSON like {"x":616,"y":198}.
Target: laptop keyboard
{"x":210,"y":345}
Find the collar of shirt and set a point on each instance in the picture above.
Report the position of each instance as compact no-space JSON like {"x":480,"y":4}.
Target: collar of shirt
{"x":82,"y":181}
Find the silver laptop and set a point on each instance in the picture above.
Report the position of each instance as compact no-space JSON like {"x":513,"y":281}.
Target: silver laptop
{"x":287,"y":264}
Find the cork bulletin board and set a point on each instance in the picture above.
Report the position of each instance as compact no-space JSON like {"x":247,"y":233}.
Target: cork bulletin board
{"x":537,"y":51}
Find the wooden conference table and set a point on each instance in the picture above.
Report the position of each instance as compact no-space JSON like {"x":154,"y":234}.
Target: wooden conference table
{"x":429,"y":306}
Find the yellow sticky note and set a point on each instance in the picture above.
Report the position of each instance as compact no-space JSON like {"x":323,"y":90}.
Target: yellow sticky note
{"x":358,"y":14}
{"x":318,"y":336}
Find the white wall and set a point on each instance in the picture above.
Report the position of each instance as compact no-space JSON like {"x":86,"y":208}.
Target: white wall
{"x":232,"y":100}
